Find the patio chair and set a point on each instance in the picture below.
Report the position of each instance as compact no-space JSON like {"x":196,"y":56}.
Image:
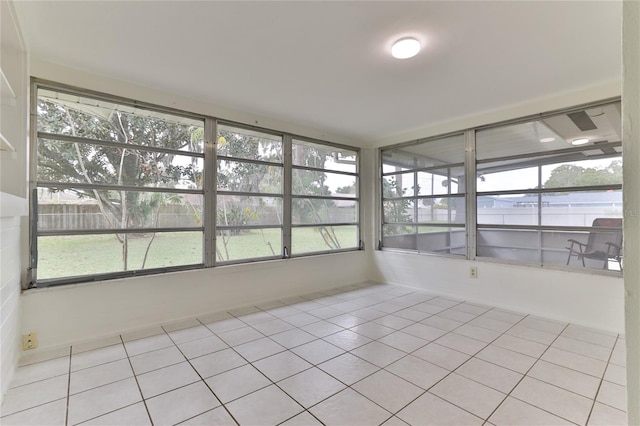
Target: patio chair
{"x":604,"y":245}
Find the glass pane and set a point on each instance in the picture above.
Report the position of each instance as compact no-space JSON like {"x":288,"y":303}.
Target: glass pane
{"x":307,"y":182}
{"x":437,"y":182}
{"x":580,"y":208}
{"x":74,"y":115}
{"x":323,"y":238}
{"x":398,"y":211}
{"x":75,"y":209}
{"x":516,"y":209}
{"x":241,"y":176}
{"x":596,"y":124}
{"x":604,"y":171}
{"x":431,"y":153}
{"x":60,"y":161}
{"x":400,"y":185}
{"x":309,"y":211}
{"x":441,"y":210}
{"x":249,"y":144}
{"x":442,"y":240}
{"x":509,"y":244}
{"x":319,"y":156}
{"x":69,"y":256}
{"x":248,"y":211}
{"x":165,"y":249}
{"x":517,"y":139}
{"x":237,"y":244}
{"x":388,"y":168}
{"x":511,"y":179}
{"x":399,"y":236}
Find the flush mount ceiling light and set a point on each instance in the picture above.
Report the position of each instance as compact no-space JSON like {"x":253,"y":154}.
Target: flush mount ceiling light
{"x":405,"y":48}
{"x":547,"y":140}
{"x":580,"y":141}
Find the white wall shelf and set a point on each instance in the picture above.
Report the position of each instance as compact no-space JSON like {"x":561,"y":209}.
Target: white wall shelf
{"x":8,"y":94}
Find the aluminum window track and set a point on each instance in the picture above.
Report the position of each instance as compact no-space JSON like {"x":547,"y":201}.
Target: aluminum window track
{"x":131,"y":146}
{"x":108,"y":187}
{"x":249,"y":160}
{"x":113,"y":231}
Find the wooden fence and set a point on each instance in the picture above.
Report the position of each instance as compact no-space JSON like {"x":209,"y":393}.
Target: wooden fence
{"x":64,"y":217}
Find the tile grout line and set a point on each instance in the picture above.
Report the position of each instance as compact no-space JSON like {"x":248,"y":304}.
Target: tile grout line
{"x":471,"y":357}
{"x":526,"y":374}
{"x":453,"y":371}
{"x":551,"y":384}
{"x":202,"y":378}
{"x":315,"y":365}
{"x":407,"y":354}
{"x":135,"y":377}
{"x":393,"y":414}
{"x":257,"y":369}
{"x":595,"y":397}
{"x":66,"y":411}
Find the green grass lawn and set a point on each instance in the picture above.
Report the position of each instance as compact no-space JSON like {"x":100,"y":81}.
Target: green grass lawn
{"x":66,"y":256}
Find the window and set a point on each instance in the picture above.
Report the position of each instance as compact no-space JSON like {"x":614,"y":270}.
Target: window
{"x":325,"y":198}
{"x":250,"y":195}
{"x":544,"y":190}
{"x":536,"y":191}
{"x":121,"y":188}
{"x":423,"y":190}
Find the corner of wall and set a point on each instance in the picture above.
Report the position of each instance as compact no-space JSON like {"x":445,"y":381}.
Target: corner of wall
{"x":13,"y":186}
{"x":631,"y":194}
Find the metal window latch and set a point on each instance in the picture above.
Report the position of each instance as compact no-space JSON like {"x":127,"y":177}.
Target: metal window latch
{"x":286,"y":253}
{"x":361,"y":245}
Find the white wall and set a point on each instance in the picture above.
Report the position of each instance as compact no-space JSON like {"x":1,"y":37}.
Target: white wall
{"x":590,"y":300}
{"x":631,"y":189}
{"x":69,"y":314}
{"x":9,"y":298}
{"x":13,"y":189}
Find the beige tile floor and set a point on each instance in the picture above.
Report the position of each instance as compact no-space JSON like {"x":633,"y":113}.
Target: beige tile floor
{"x":359,"y":355}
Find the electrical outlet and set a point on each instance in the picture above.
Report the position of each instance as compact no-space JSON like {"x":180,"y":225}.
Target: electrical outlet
{"x":473,"y":272}
{"x":29,"y":341}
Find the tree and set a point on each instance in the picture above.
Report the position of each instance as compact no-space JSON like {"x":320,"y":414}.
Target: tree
{"x":347,"y":189}
{"x":72,"y":162}
{"x":248,"y":177}
{"x":395,"y":210}
{"x":568,"y":175}
{"x":313,"y":183}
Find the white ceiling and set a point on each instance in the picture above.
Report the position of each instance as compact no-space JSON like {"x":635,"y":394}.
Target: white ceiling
{"x":326,"y":65}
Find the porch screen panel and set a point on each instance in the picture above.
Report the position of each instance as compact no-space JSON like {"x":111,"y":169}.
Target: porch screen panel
{"x":545,"y":182}
{"x":423,"y":196}
{"x":249,"y":202}
{"x":325,"y":198}
{"x":119,"y":188}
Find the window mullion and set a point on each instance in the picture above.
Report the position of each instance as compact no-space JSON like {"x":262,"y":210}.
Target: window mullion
{"x":32,"y":275}
{"x":287,"y":202}
{"x":470,"y":190}
{"x":210,"y":171}
{"x":540,"y":252}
